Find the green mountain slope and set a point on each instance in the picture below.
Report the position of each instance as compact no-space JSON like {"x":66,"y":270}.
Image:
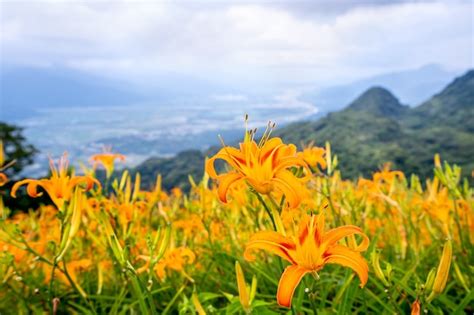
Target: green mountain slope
{"x":454,"y":106}
{"x":364,"y":135}
{"x":376,"y":128}
{"x":175,"y":171}
{"x":372,"y":130}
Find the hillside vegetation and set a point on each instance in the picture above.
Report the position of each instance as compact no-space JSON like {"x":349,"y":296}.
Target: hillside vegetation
{"x":372,"y":130}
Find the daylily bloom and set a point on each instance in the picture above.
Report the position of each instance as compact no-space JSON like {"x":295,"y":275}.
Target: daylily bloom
{"x":174,"y":259}
{"x":313,"y":156}
{"x":387,"y":175}
{"x":59,"y":186}
{"x":107,"y":160}
{"x":309,"y":251}
{"x":264,"y":166}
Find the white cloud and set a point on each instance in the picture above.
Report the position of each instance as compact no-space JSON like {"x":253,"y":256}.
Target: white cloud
{"x":229,"y":97}
{"x":261,"y":42}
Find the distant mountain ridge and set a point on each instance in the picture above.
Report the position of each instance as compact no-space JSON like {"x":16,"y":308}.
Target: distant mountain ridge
{"x":411,"y":86}
{"x":24,"y":90}
{"x":375,"y":128}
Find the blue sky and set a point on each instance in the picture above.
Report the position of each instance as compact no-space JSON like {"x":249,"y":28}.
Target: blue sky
{"x":254,"y":42}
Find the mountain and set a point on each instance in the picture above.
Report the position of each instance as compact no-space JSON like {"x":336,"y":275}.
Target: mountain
{"x":453,"y":106}
{"x":373,"y":129}
{"x":376,"y":128}
{"x":26,"y":89}
{"x":175,"y":171}
{"x":411,"y":86}
{"x":380,"y":102}
{"x":364,"y":135}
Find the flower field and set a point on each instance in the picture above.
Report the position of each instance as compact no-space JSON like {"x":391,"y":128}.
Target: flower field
{"x":268,"y":229}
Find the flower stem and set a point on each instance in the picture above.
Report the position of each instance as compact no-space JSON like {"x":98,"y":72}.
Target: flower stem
{"x":265,"y":206}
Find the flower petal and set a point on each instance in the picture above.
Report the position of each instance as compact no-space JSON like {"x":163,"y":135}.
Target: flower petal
{"x":289,"y":185}
{"x":231,"y":155}
{"x":31,"y":188}
{"x":289,"y":280}
{"x":3,"y":179}
{"x":269,"y":148}
{"x":89,"y":181}
{"x":346,"y":257}
{"x":224,"y":183}
{"x":272,"y":242}
{"x":334,"y":235}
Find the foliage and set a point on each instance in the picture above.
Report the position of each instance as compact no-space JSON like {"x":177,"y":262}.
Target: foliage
{"x":18,"y":152}
{"x":130,"y":250}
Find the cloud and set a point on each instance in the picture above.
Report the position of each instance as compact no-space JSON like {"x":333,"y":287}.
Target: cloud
{"x":230,"y":97}
{"x":284,"y":43}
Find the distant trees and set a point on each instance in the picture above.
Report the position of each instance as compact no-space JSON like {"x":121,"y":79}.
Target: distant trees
{"x":18,"y":154}
{"x":18,"y":151}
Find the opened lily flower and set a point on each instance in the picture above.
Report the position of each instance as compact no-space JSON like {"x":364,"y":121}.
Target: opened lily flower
{"x":313,"y":156}
{"x":264,"y":166}
{"x":107,"y":160}
{"x":59,"y":186}
{"x":309,"y":251}
{"x":387,"y":175}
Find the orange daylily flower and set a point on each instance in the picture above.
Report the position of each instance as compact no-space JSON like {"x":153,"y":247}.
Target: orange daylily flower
{"x":313,"y":156}
{"x":177,"y":192}
{"x":59,"y":186}
{"x":264,"y":166}
{"x":107,"y":160}
{"x":174,"y":259}
{"x":309,"y":251}
{"x":387,"y":175}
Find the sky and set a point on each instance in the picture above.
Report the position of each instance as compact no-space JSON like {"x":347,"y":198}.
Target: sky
{"x":253,"y":42}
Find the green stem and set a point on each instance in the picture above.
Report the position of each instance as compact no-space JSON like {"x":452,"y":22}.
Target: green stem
{"x":175,"y":297}
{"x":78,"y":291}
{"x":269,"y":212}
{"x":260,"y":198}
{"x":51,"y":285}
{"x":138,"y":294}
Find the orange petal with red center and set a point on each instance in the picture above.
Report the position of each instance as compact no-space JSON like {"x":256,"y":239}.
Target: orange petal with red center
{"x":269,"y":148}
{"x":289,"y":280}
{"x":272,"y":242}
{"x":334,"y":235}
{"x":346,"y":257}
{"x":224,"y":183}
{"x":231,"y":155}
